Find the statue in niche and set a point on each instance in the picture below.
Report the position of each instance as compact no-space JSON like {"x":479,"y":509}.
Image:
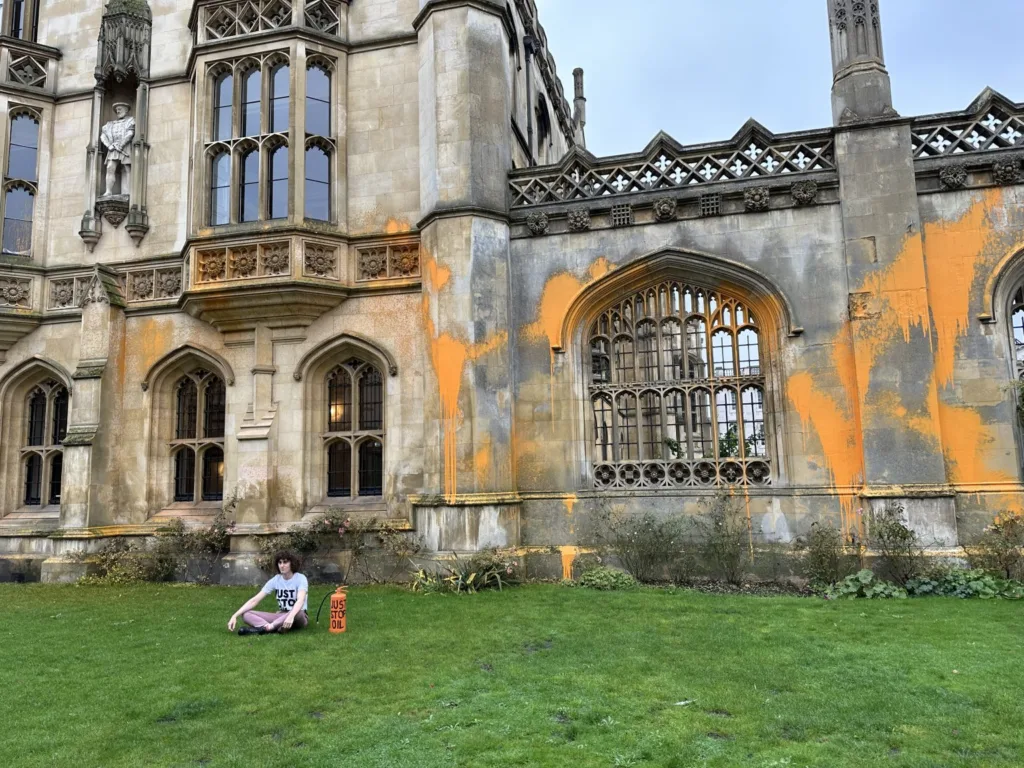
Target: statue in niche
{"x":116,"y":137}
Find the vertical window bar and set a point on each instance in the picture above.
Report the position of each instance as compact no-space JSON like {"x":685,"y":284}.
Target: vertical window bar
{"x":371,"y":468}
{"x":339,"y":401}
{"x":650,"y":420}
{"x":186,"y":409}
{"x":36,"y":418}
{"x":371,"y":400}
{"x":33,"y":480}
{"x":213,"y":474}
{"x":60,"y":417}
{"x":339,"y":469}
{"x":56,"y":472}
{"x":214,"y":407}
{"x":184,"y":475}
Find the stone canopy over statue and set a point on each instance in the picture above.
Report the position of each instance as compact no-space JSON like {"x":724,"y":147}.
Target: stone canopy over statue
{"x":116,"y":137}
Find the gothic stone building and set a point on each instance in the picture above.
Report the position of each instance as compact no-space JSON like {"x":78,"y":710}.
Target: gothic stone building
{"x":288,"y":256}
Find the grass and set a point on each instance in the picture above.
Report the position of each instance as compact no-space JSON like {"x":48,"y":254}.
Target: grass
{"x":534,"y":676}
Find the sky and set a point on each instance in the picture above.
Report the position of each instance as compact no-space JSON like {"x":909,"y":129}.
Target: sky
{"x":697,"y":69}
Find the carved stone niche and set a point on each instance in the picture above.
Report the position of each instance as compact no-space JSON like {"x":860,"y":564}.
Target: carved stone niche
{"x":118,"y":150}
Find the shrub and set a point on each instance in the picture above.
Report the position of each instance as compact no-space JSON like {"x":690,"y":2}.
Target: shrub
{"x":124,"y":561}
{"x":604,"y":578}
{"x":964,"y":584}
{"x":647,"y":547}
{"x":390,"y":560}
{"x":494,"y":569}
{"x":723,"y":538}
{"x":333,"y":531}
{"x":197,"y":549}
{"x":1000,"y":548}
{"x":824,"y":560}
{"x":864,"y":583}
{"x":898,"y":549}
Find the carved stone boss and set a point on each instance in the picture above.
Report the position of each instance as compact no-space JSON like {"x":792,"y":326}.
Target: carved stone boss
{"x":118,"y":150}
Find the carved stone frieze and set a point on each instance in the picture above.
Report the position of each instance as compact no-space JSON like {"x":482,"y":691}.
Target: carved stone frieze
{"x":168,"y":283}
{"x":665,"y":209}
{"x":140,"y":286}
{"x":1006,"y":171}
{"x":757,"y":199}
{"x":15,"y":292}
{"x":405,"y":261}
{"x":62,"y":294}
{"x":537,"y":223}
{"x":321,"y":260}
{"x":579,"y":220}
{"x":211,"y":265}
{"x":953,"y":176}
{"x":243,"y":261}
{"x":275,"y":258}
{"x":804,"y":192}
{"x":373,"y":263}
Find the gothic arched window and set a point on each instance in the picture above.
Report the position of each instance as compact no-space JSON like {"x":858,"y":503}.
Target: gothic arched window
{"x":220,"y":188}
{"x":318,"y":184}
{"x":354,"y":434}
{"x":199,"y":407}
{"x":277,"y":201}
{"x":20,"y":183}
{"x":280,"y":88}
{"x":318,"y":101}
{"x":677,"y":390}
{"x":252,"y":96}
{"x":46,"y":426}
{"x":1017,"y":331}
{"x":249,"y":184}
{"x":223,"y":101}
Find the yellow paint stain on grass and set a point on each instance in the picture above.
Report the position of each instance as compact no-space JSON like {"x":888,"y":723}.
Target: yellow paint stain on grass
{"x":448,"y":356}
{"x":955,"y":249}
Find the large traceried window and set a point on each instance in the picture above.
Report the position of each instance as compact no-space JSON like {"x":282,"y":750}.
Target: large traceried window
{"x":197,"y":447}
{"x":20,"y":178}
{"x":1017,"y":331}
{"x":248,"y":136}
{"x":42,"y":452}
{"x":677,"y":391}
{"x":354,"y":434}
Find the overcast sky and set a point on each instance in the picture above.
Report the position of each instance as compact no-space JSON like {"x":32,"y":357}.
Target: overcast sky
{"x":698,"y":69}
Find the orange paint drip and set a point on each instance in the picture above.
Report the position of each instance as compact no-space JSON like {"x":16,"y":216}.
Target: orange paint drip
{"x":967,"y":446}
{"x":569,"y":502}
{"x":568,"y":556}
{"x":482,"y":466}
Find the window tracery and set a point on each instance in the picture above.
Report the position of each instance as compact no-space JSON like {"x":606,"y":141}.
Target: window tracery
{"x":677,"y":391}
{"x":354,"y":435}
{"x":42,"y":451}
{"x":198,"y":438}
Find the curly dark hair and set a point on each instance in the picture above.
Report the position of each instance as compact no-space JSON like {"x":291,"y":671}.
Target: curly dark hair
{"x":285,"y":554}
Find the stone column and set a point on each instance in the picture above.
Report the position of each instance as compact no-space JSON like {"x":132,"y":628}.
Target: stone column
{"x":888,"y":305}
{"x":465,"y":155}
{"x":254,"y":462}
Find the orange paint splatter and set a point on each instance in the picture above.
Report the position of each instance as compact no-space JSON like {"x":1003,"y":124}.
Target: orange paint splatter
{"x":570,"y":503}
{"x":396,"y":227}
{"x":967,"y":446}
{"x":568,"y":556}
{"x":482,"y":465}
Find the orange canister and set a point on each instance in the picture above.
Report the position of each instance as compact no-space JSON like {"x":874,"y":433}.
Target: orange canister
{"x":338,"y":600}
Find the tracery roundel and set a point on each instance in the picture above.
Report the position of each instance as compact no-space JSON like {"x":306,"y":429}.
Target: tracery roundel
{"x":677,"y":391}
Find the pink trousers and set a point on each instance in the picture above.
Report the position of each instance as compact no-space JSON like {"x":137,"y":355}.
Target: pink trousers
{"x":273,"y":621}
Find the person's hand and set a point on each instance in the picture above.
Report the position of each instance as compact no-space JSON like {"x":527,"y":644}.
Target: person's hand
{"x":231,"y":624}
{"x":287,"y":624}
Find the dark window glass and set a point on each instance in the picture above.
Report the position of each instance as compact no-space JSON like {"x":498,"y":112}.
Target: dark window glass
{"x":339,"y":469}
{"x":36,"y":418}
{"x":251,"y":98}
{"x":60,"y":417}
{"x":18,"y":22}
{"x":371,"y":400}
{"x":371,"y":468}
{"x":186,"y":410}
{"x":318,"y":187}
{"x":34,"y":31}
{"x":603,"y":429}
{"x":629,"y":448}
{"x":222,"y":98}
{"x":339,"y":401}
{"x":278,"y":202}
{"x":23,"y":150}
{"x":220,"y":189}
{"x":18,"y":220}
{"x":318,"y":102}
{"x":56,"y":471}
{"x":650,"y":425}
{"x":184,"y":475}
{"x":213,"y":474}
{"x":33,"y":479}
{"x":249,"y":209}
{"x":213,"y":409}
{"x":279,"y":93}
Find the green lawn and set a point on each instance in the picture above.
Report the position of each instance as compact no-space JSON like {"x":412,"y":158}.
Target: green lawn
{"x":534,"y":676}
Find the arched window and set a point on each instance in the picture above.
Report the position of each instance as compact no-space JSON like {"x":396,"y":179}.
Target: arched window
{"x":318,"y":101}
{"x":252,"y":95}
{"x":23,"y":152}
{"x":355,"y":430}
{"x":220,"y":188}
{"x":280,"y":88}
{"x":46,"y":425}
{"x":249,"y":187}
{"x":677,"y":390}
{"x":200,"y":405}
{"x":277,"y":202}
{"x":20,"y":183}
{"x":1017,"y":331}
{"x":318,"y":184}
{"x":223,"y":98}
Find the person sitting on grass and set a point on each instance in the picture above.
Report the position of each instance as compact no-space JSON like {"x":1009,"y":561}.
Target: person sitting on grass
{"x":291,"y":590}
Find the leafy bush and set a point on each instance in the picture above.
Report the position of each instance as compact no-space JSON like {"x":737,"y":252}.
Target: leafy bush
{"x":333,"y":531}
{"x":390,"y":559}
{"x":605,"y":578}
{"x":197,"y":549}
{"x":824,"y":560}
{"x":864,"y":583}
{"x":647,"y":547}
{"x":964,"y":584}
{"x":898,"y":549}
{"x":124,"y":561}
{"x":723,"y":538}
{"x":1000,"y":548}
{"x":493,"y":569}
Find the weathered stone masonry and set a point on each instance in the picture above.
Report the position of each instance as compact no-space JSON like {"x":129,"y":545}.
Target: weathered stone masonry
{"x":354,"y":254}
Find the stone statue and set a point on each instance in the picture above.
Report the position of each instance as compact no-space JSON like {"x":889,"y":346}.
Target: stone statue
{"x":116,"y":137}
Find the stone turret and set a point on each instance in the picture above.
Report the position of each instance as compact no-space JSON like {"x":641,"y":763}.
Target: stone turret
{"x":860,"y":83}
{"x":579,"y":109}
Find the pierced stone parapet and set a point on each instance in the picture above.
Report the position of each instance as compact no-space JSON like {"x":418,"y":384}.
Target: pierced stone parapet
{"x":220,"y":21}
{"x":991,"y":123}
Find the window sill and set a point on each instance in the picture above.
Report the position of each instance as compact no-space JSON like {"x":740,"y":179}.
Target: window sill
{"x":188,"y":509}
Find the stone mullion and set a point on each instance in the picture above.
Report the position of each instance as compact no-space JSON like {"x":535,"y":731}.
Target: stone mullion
{"x":297,"y":141}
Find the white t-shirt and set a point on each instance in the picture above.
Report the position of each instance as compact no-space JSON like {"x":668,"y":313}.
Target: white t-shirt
{"x":287,"y":591}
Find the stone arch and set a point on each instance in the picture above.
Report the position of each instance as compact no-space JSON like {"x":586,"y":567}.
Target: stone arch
{"x":14,"y":390}
{"x":173,"y":358}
